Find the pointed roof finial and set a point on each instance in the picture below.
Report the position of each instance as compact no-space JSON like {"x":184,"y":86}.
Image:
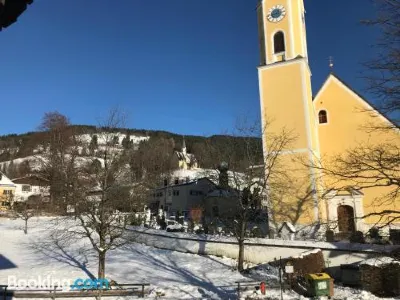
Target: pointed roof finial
{"x":331,"y":63}
{"x":183,"y":143}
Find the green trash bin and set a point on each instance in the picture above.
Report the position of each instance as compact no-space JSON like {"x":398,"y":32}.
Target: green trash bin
{"x":318,"y":284}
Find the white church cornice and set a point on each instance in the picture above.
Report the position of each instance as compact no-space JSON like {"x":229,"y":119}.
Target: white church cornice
{"x":296,"y":60}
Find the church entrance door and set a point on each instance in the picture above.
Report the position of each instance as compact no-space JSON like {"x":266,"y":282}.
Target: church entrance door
{"x":346,"y":218}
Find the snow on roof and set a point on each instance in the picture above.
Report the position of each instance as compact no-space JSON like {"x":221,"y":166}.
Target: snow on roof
{"x":192,"y":174}
{"x":18,"y":161}
{"x":290,"y":226}
{"x":222,"y":193}
{"x":29,"y":176}
{"x":5,"y":181}
{"x":187,"y":157}
{"x":236,"y":180}
{"x":31,"y":179}
{"x":190,"y":182}
{"x":379,"y":261}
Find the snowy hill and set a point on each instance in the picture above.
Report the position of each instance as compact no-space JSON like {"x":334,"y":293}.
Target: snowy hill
{"x":22,"y":151}
{"x":36,"y":160}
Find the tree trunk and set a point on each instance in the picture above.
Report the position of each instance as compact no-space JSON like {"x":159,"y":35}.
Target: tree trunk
{"x":241,"y":237}
{"x":102,"y":264}
{"x":26,"y":226}
{"x":241,"y":255}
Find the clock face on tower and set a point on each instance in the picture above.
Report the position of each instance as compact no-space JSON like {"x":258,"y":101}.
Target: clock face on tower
{"x":276,"y":13}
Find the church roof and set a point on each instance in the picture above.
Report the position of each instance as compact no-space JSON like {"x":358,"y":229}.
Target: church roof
{"x":191,"y":182}
{"x":28,"y":178}
{"x":187,"y":157}
{"x":347,"y":86}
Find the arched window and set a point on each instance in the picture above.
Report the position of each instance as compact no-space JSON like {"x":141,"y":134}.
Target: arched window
{"x":279,"y":42}
{"x":323,"y":117}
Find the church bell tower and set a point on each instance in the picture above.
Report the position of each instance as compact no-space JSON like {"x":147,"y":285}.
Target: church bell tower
{"x":285,"y":91}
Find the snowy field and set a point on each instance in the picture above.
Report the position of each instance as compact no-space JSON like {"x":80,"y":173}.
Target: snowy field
{"x":174,"y":274}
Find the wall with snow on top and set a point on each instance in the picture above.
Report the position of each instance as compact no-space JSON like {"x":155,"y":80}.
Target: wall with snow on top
{"x":259,"y":250}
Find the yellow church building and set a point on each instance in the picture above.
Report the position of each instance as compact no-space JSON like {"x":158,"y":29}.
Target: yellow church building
{"x":324,"y":125}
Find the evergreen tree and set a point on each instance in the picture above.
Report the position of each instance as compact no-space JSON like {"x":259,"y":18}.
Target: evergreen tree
{"x":23,"y":169}
{"x":84,"y":151}
{"x":93,"y":144}
{"x":126,"y":142}
{"x":4,"y":168}
{"x":11,"y":170}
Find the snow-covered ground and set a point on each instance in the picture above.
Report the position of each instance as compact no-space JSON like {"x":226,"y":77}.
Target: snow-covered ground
{"x":174,"y":274}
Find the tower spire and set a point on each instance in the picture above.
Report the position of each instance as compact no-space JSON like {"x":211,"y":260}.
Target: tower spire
{"x":183,"y":145}
{"x":331,"y":64}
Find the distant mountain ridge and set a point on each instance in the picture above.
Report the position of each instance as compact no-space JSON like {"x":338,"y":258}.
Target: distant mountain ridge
{"x":17,"y":146}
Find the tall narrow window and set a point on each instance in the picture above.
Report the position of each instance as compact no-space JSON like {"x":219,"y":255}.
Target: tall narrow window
{"x":323,"y":117}
{"x":279,"y":42}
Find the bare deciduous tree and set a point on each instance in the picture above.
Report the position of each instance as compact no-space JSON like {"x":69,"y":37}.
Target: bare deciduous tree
{"x":98,"y":191}
{"x":252,"y":175}
{"x":383,"y":72}
{"x":58,"y":158}
{"x":104,"y":195}
{"x":25,"y":213}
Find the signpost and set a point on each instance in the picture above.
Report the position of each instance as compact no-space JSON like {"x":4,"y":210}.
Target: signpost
{"x":289,"y":270}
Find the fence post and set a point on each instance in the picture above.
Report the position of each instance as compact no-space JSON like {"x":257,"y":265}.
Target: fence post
{"x":142,"y":290}
{"x":280,"y":276}
{"x":54,"y":293}
{"x":5,"y":292}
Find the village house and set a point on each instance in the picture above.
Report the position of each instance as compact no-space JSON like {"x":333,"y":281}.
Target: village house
{"x":180,"y":197}
{"x":7,"y":192}
{"x":31,"y":186}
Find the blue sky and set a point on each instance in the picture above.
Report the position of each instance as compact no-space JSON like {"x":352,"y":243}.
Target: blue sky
{"x":179,"y":65}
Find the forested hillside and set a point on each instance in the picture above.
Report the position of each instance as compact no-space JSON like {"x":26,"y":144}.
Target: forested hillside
{"x":15,"y":147}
